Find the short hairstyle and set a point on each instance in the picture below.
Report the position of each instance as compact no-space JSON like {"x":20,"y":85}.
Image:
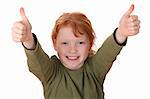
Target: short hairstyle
{"x":79,"y":23}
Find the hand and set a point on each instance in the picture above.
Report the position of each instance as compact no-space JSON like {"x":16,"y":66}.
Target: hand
{"x":129,"y":24}
{"x":21,"y":31}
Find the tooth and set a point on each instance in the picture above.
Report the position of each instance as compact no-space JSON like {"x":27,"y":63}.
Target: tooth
{"x":72,"y":57}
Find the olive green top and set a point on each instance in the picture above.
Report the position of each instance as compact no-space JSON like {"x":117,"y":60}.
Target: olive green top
{"x":84,"y":83}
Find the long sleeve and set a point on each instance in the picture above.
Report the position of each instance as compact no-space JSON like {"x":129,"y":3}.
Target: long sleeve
{"x":39,"y":63}
{"x":105,"y":56}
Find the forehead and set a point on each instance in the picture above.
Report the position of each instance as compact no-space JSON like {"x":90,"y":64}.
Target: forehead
{"x":67,"y":33}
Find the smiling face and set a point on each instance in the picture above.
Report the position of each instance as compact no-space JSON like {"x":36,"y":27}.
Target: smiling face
{"x":72,"y":50}
{"x":73,"y":37}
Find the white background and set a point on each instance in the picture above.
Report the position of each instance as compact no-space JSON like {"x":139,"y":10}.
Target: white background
{"x":129,"y":77}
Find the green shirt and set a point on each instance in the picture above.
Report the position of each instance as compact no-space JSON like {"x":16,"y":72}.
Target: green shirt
{"x":84,"y":83}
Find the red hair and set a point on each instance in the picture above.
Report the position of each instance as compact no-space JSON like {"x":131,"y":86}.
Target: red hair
{"x":79,"y":23}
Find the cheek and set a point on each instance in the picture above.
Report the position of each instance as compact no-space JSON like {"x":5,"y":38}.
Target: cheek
{"x":88,"y":47}
{"x":61,"y":50}
{"x":85,"y":50}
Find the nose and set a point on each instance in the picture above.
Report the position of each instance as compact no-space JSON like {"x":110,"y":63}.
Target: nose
{"x":73,"y":48}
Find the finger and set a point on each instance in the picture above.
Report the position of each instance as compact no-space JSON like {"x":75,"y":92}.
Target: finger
{"x":23,"y":15}
{"x":130,"y":10}
{"x":16,"y":40}
{"x":133,"y":18}
{"x":19,"y":25}
{"x":18,"y":37}
{"x":18,"y":31}
{"x":134,"y":32}
{"x":135,"y":28}
{"x":134,"y":23}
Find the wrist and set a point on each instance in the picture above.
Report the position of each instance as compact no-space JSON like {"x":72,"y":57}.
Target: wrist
{"x":120,"y":41}
{"x":119,"y":36}
{"x":30,"y":43}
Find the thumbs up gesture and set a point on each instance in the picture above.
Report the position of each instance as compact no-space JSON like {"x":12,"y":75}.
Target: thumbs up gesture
{"x":129,"y":24}
{"x":21,"y":31}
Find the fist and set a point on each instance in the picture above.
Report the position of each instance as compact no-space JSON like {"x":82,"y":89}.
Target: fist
{"x":21,"y":30}
{"x":129,"y":24}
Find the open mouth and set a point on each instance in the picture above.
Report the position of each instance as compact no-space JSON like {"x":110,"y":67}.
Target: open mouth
{"x":72,"y":57}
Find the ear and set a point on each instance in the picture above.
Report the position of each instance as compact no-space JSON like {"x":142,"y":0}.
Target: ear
{"x":54,"y":44}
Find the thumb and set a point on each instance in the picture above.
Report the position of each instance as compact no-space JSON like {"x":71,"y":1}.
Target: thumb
{"x":130,"y":10}
{"x":23,"y":15}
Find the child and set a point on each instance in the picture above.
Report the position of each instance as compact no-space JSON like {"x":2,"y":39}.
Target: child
{"x":75,"y":74}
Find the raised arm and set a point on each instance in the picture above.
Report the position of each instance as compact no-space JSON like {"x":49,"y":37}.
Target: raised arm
{"x":107,"y":53}
{"x":38,"y":61}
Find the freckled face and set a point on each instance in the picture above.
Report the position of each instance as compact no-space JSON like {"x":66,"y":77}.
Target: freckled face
{"x":72,"y":50}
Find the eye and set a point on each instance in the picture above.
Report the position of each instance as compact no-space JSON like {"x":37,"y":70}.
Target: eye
{"x":81,"y":42}
{"x":64,"y":43}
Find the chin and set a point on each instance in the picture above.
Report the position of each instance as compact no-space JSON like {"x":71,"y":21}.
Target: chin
{"x":73,"y":67}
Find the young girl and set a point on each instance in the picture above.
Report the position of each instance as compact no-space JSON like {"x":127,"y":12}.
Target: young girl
{"x":75,"y":73}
